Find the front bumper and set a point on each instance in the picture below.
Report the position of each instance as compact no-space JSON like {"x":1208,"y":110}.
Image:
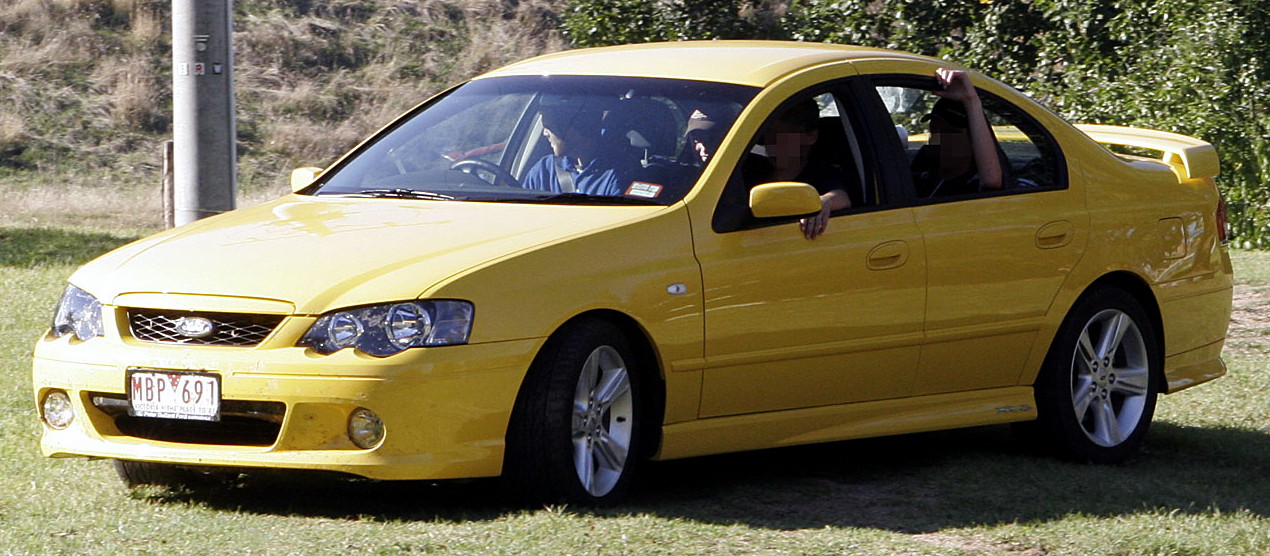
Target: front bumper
{"x":445,"y":409}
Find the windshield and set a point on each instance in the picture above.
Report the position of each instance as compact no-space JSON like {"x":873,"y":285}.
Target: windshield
{"x":574,"y":139}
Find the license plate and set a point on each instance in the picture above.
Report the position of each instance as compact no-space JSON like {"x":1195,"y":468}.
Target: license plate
{"x":174,"y":394}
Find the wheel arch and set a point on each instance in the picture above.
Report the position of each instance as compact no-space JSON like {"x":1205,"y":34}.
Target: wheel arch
{"x":652,"y":381}
{"x":1141,"y":291}
{"x":1123,"y":280}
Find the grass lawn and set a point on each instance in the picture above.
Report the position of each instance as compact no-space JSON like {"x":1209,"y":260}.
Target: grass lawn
{"x":1201,"y":486}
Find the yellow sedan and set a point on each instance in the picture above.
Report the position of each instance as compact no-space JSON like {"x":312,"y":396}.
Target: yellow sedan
{"x":588,"y":260}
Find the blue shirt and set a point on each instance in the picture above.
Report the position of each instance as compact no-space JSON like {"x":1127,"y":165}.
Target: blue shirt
{"x":594,"y":179}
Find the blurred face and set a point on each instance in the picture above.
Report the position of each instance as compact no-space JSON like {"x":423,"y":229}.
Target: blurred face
{"x":949,"y":138}
{"x":557,"y":141}
{"x":955,"y":151}
{"x":788,"y":142}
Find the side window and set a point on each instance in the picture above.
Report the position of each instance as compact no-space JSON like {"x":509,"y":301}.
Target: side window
{"x":935,"y":134}
{"x":811,"y":139}
{"x":1035,"y":160}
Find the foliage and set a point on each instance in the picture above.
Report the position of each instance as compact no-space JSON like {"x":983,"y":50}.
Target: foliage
{"x":1198,"y":68}
{"x":609,"y":22}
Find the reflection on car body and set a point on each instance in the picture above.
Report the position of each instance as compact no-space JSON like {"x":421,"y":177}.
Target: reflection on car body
{"x":413,"y":312}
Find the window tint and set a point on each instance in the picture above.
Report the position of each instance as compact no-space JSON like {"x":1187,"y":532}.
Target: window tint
{"x":1035,"y":161}
{"x":1029,"y":157}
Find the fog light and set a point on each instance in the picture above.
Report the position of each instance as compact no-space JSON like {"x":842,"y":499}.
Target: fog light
{"x":365,"y":428}
{"x":58,"y":412}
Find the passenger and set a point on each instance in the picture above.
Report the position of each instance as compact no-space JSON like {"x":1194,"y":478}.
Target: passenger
{"x":789,"y":140}
{"x":703,"y":137}
{"x":962,"y":154}
{"x":577,"y":163}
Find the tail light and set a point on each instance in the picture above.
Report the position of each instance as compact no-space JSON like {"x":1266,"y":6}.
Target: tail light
{"x":1223,"y":226}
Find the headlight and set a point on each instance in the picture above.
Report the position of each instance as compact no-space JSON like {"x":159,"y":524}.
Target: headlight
{"x":382,"y":330}
{"x":77,"y":312}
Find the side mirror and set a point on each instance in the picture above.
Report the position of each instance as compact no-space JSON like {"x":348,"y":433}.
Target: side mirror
{"x":784,"y":198}
{"x":302,"y":177}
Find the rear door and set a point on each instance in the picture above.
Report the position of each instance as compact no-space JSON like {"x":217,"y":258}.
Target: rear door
{"x":995,"y":259}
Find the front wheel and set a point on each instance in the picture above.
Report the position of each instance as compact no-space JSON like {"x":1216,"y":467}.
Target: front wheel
{"x":575,"y":431}
{"x":137,"y":473}
{"x":1096,"y":393}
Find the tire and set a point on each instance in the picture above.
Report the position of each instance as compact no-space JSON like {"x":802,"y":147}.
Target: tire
{"x":575,"y":435}
{"x":1097,"y":390}
{"x":137,"y":473}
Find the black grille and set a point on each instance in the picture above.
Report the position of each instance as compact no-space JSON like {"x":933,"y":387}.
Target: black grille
{"x":228,"y":329}
{"x":242,"y":423}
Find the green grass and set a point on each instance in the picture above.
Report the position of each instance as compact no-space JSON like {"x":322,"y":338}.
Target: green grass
{"x":1201,"y":486}
{"x":1251,"y":268}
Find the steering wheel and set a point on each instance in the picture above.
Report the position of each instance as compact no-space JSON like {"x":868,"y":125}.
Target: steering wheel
{"x":475,"y":165}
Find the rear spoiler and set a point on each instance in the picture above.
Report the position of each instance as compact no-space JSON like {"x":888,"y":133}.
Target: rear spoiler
{"x":1197,"y":158}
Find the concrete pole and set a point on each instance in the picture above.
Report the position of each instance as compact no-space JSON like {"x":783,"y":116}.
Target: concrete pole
{"x":204,"y":156}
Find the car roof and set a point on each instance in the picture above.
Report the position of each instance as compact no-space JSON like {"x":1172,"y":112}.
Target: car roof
{"x":754,"y":63}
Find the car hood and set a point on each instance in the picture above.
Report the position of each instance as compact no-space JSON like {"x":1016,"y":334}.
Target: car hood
{"x":318,"y":254}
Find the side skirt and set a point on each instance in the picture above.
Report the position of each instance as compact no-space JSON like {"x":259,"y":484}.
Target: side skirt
{"x":843,"y":422}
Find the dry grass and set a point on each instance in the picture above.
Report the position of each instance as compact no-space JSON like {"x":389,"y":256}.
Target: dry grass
{"x":40,"y":54}
{"x":313,"y":78}
{"x":1249,"y":320}
{"x":85,"y":83}
{"x":148,"y":23}
{"x":83,"y":205}
{"x":131,"y":93}
{"x":79,"y":201}
{"x":12,"y":128}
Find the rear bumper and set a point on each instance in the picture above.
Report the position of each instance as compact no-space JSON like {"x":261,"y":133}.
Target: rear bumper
{"x":1195,"y":337}
{"x":1197,"y":366}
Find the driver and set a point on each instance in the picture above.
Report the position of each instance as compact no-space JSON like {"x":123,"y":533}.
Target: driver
{"x":577,"y":163}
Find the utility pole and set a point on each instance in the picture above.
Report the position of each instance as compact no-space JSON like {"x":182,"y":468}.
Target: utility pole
{"x":204,"y":156}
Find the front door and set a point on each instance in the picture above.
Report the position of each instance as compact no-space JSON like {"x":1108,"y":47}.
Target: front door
{"x":792,"y":322}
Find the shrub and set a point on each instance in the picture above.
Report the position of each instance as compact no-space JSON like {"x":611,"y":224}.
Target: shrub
{"x":609,"y":22}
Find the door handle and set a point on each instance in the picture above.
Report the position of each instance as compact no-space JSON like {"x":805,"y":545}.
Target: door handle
{"x":885,"y":256}
{"x":1055,"y":235}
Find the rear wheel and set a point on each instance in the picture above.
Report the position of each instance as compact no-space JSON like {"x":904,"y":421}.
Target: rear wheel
{"x":575,"y":434}
{"x":1097,"y":391}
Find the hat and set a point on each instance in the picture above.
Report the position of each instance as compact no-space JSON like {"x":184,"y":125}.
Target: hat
{"x":572,"y":114}
{"x":950,"y":111}
{"x":699,"y":120}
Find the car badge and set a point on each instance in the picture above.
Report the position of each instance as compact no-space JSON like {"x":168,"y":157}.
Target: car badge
{"x":194,"y":327}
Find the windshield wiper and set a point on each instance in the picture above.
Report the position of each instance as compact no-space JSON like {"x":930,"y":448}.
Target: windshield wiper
{"x":401,"y":193}
{"x":585,"y":199}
